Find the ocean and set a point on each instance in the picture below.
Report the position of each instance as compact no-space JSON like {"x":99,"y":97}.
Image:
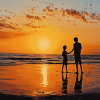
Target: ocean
{"x":7,"y":59}
{"x":41,"y":74}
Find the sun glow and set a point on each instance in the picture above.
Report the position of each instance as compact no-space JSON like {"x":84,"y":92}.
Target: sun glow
{"x":43,"y":44}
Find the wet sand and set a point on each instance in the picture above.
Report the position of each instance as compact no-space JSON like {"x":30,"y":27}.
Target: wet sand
{"x":89,"y":96}
{"x":43,"y":81}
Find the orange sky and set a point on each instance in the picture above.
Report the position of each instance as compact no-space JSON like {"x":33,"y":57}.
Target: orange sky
{"x":44,"y":28}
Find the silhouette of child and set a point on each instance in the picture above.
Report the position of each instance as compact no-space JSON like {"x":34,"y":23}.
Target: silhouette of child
{"x":64,"y":54}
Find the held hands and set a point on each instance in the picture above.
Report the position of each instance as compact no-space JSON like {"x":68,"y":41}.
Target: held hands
{"x":71,"y":51}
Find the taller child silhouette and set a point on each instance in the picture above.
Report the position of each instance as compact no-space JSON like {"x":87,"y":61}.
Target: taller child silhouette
{"x":77,"y":52}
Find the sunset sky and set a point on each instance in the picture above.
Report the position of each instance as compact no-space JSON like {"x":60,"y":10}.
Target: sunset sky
{"x":44,"y":26}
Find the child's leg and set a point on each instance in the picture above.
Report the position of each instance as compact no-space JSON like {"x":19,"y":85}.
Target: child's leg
{"x":80,"y":62}
{"x":66,"y":68}
{"x":62,"y":67}
{"x":77,"y":67}
{"x":81,"y":67}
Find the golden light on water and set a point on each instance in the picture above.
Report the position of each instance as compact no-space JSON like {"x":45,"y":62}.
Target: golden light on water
{"x":44,"y":73}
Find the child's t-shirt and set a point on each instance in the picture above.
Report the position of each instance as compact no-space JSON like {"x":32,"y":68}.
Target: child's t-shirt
{"x":77,"y":49}
{"x":64,"y":54}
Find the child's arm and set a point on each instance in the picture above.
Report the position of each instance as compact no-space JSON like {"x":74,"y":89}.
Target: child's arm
{"x":70,"y":51}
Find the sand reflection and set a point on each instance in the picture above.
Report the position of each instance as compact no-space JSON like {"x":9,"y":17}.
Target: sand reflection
{"x":44,"y":73}
{"x":64,"y":83}
{"x":47,"y":79}
{"x":78,"y":84}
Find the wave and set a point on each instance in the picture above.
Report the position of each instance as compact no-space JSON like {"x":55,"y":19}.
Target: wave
{"x":14,"y":59}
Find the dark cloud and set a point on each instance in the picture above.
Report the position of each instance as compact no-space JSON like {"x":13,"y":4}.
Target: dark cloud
{"x":10,"y":12}
{"x":75,"y":14}
{"x":48,"y":12}
{"x":33,"y":17}
{"x":59,"y":19}
{"x":6,"y":11}
{"x":51,"y":15}
{"x":43,"y":16}
{"x":71,"y":21}
{"x":7,"y":17}
{"x":49,"y":9}
{"x":63,"y":12}
{"x":30,"y":9}
{"x":83,"y":15}
{"x":4,"y":25}
{"x":74,"y":24}
{"x":34,"y":26}
{"x":53,"y":12}
{"x":5,"y":35}
{"x":3,"y":20}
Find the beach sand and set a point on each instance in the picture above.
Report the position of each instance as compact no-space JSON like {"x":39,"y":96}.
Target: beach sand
{"x":45,"y":81}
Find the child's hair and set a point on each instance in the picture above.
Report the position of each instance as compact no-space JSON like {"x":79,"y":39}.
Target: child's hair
{"x":75,"y":39}
{"x":64,"y":47}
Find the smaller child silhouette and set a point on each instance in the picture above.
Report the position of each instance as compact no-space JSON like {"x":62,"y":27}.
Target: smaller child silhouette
{"x":64,"y":54}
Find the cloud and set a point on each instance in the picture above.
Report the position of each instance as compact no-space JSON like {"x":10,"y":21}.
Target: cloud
{"x":3,"y":20}
{"x":49,"y":9}
{"x":33,"y":26}
{"x":30,"y":9}
{"x":83,"y":15}
{"x":59,"y":19}
{"x":75,"y":14}
{"x":7,"y":17}
{"x":4,"y":25}
{"x":14,"y":20}
{"x":33,"y":17}
{"x":74,"y":24}
{"x":44,"y":17}
{"x":5,"y":34}
{"x":10,"y":12}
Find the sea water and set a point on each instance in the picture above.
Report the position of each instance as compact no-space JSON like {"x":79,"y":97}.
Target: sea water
{"x":18,"y":58}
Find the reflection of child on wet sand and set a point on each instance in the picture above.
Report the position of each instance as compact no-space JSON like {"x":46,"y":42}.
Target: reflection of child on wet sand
{"x":78,"y":84}
{"x":64,"y":54}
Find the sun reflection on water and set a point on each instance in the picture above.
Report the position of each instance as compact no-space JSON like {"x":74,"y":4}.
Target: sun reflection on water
{"x":44,"y":73}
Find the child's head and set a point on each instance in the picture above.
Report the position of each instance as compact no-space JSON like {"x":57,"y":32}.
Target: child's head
{"x":75,"y":39}
{"x":64,"y":47}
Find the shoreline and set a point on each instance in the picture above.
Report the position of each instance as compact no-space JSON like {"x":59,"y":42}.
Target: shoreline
{"x":81,"y":96}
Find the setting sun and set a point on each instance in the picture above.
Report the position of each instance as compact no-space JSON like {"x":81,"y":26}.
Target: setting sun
{"x":43,"y":44}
